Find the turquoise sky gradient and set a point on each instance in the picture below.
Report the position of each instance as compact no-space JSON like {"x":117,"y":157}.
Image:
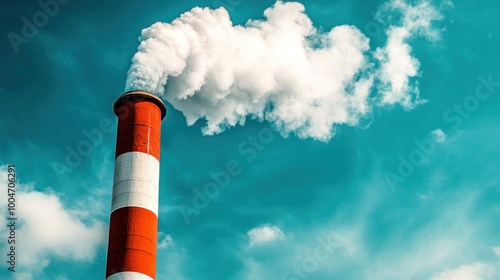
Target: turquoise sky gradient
{"x":406,"y":194}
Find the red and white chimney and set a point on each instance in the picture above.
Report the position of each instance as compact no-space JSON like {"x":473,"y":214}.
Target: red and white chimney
{"x":134,"y":208}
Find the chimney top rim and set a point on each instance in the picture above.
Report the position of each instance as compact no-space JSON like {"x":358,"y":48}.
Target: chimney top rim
{"x":139,"y":95}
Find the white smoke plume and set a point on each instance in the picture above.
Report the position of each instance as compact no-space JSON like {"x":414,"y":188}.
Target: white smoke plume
{"x":280,"y":69}
{"x":397,"y":64}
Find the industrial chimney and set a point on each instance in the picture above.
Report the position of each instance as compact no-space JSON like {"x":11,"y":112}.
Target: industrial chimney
{"x":134,"y":208}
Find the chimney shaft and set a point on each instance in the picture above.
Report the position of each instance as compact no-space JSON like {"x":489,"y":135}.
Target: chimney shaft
{"x":134,"y":208}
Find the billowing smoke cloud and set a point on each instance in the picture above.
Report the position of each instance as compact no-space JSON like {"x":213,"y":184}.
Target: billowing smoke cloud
{"x":280,"y":69}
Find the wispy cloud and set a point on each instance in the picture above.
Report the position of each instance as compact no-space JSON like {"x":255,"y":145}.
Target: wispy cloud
{"x":164,"y":240}
{"x":475,"y":271}
{"x":264,"y":234}
{"x":397,"y":63}
{"x":497,"y":251}
{"x":439,"y":136}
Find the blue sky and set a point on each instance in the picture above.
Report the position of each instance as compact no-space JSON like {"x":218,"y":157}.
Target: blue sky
{"x":405,"y":192}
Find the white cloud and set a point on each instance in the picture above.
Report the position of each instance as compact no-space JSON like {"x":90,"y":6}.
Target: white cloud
{"x":465,"y":272}
{"x":497,"y":251}
{"x":423,"y":197}
{"x":264,"y":234}
{"x":164,"y":240}
{"x":23,"y":275}
{"x":49,"y":231}
{"x":172,"y":259}
{"x":438,"y":135}
{"x":398,"y":66}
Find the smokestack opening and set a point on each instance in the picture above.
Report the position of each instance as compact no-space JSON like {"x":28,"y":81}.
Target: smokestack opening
{"x":139,"y":95}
